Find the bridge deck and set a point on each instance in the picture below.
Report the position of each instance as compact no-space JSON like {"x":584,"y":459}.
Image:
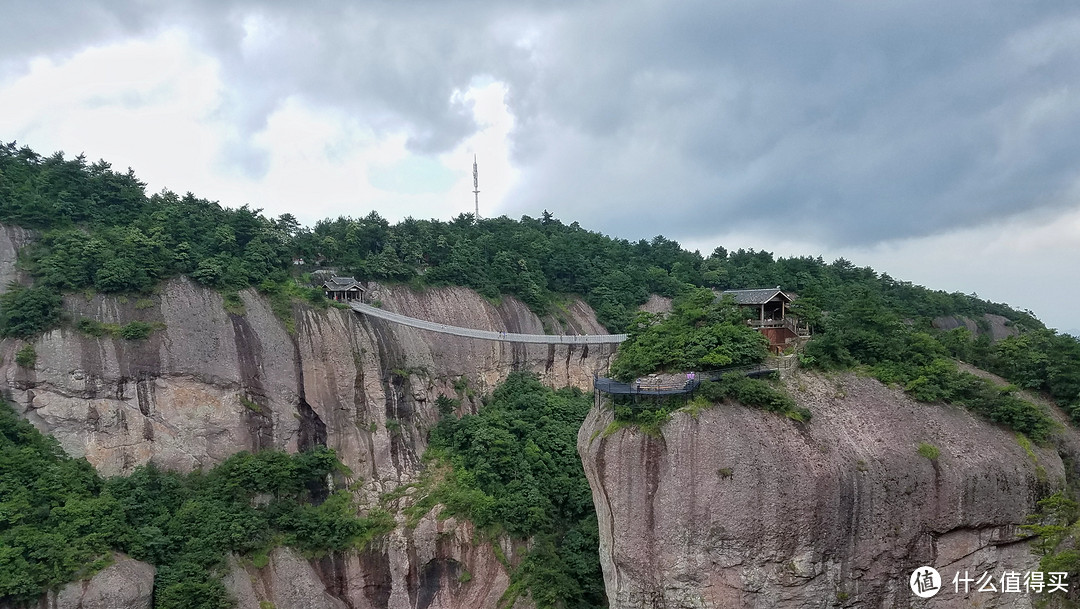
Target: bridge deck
{"x":645,"y":388}
{"x":509,"y":337}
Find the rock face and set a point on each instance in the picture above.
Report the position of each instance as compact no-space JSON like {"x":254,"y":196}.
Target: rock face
{"x":996,"y":326}
{"x":212,"y":383}
{"x":452,"y":571}
{"x":125,"y":584}
{"x":745,"y":508}
{"x":12,"y":238}
{"x":209,"y":383}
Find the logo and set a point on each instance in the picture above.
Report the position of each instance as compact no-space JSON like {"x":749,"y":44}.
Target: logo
{"x":925,"y":582}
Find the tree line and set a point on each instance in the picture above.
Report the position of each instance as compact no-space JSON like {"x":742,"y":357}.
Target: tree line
{"x":100,"y":231}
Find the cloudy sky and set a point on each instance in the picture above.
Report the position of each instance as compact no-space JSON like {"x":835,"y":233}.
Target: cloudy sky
{"x":937,"y":141}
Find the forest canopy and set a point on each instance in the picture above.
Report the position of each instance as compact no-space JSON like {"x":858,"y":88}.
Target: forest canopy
{"x":59,"y":520}
{"x":99,"y":230}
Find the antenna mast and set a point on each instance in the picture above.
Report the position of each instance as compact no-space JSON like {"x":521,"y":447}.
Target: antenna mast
{"x":476,"y":188}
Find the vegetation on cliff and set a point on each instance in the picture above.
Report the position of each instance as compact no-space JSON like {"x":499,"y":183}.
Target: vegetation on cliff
{"x":1056,"y":527}
{"x":864,"y":332}
{"x":515,"y":469}
{"x":701,"y":333}
{"x":59,"y":520}
{"x":100,"y":231}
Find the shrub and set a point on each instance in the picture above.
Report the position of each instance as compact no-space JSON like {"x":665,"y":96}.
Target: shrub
{"x":753,"y":392}
{"x":701,"y":333}
{"x":26,"y":312}
{"x":136,"y":330}
{"x":233,"y":303}
{"x":26,"y":357}
{"x":929,"y":451}
{"x":514,"y":467}
{"x":92,"y":327}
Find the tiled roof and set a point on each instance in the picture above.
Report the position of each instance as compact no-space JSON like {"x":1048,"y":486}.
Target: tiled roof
{"x":342,"y":283}
{"x":754,"y":297}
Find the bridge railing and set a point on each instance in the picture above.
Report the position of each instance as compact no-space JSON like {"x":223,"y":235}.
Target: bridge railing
{"x":510,"y":337}
{"x":643,"y":387}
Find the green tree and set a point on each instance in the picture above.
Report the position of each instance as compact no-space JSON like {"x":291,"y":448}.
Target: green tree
{"x":26,"y":312}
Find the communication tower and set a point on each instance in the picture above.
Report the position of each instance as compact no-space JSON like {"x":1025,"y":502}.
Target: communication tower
{"x":476,"y":188}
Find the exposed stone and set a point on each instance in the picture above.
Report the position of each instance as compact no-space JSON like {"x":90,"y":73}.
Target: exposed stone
{"x":996,"y":326}
{"x":11,"y":239}
{"x":212,"y":383}
{"x":656,"y":304}
{"x":286,"y":582}
{"x":125,"y":584}
{"x":744,"y":508}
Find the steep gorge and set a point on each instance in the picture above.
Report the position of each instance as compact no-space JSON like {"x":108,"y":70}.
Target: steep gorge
{"x":733,"y":508}
{"x":209,"y":383}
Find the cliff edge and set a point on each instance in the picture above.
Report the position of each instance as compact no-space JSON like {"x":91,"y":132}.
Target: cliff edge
{"x":739,"y":507}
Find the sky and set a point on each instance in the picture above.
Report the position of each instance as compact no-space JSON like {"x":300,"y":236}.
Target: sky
{"x":938,"y":142}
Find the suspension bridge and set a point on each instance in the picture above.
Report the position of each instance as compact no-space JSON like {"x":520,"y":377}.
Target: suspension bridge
{"x":509,"y":337}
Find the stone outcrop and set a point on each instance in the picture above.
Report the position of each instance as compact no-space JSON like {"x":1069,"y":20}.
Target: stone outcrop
{"x":744,"y":508}
{"x":208,"y":383}
{"x":12,"y":238}
{"x":447,"y":569}
{"x":124,"y":584}
{"x":996,"y":326}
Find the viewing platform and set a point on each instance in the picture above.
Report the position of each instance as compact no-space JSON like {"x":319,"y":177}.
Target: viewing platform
{"x":660,"y":387}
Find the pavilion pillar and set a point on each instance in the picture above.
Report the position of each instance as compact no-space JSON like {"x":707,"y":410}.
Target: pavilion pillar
{"x":762,"y":317}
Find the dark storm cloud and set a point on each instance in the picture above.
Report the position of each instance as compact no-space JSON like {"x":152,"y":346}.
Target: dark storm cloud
{"x":844,"y":122}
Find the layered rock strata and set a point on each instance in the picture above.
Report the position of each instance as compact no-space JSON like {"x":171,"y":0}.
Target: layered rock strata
{"x":210,"y":382}
{"x":738,"y":507}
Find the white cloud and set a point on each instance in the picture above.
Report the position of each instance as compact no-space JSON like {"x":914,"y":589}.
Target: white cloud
{"x":142,"y":104}
{"x":154,"y":105}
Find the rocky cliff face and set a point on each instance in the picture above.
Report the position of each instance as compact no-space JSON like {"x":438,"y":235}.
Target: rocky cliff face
{"x":744,"y":508}
{"x":996,"y":326}
{"x":209,"y":383}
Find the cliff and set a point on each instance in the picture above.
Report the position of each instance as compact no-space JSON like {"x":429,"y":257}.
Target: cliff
{"x":209,"y":383}
{"x":744,"y":508}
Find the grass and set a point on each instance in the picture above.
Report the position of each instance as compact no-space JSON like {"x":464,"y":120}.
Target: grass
{"x":929,"y":451}
{"x":250,"y":405}
{"x":613,"y":427}
{"x":698,"y":404}
{"x":1025,"y":443}
{"x":135,"y":330}
{"x":232,"y":303}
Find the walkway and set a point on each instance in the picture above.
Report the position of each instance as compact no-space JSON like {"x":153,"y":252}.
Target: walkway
{"x":646,"y":387}
{"x":543,"y":339}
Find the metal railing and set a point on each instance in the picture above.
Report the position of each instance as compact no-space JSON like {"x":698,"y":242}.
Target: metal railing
{"x":647,"y":388}
{"x":510,"y":337}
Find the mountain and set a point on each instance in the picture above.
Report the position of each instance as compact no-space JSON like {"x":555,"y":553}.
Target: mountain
{"x":172,"y":332}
